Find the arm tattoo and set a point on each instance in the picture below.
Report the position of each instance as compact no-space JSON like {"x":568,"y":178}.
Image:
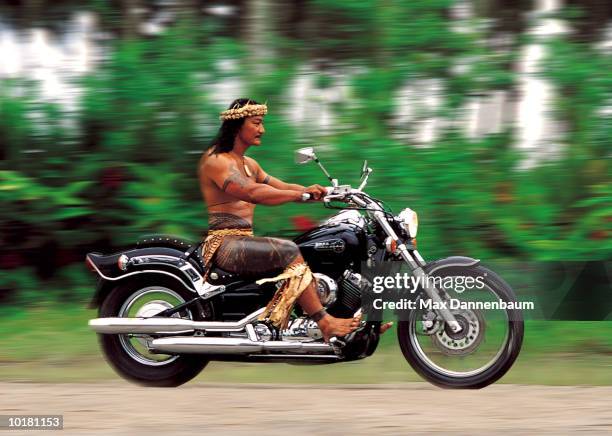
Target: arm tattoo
{"x":267,"y":179}
{"x":234,"y":177}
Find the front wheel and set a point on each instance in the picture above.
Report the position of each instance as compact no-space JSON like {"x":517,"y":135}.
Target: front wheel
{"x":487,"y":345}
{"x":128,"y":354}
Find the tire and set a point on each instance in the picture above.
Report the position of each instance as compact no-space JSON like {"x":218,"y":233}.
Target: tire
{"x":504,"y":360}
{"x":178,"y":369}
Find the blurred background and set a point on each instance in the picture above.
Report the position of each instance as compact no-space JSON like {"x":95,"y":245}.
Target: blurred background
{"x":492,"y":119}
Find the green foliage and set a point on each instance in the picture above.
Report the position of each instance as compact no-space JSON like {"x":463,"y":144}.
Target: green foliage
{"x":52,"y":203}
{"x":155,"y":202}
{"x":125,"y":162}
{"x":25,"y":280}
{"x":579,"y":182}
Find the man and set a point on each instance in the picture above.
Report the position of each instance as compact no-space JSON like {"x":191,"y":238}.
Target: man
{"x":232,"y":184}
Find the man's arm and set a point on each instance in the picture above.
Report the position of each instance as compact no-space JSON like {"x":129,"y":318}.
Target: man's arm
{"x":263,"y":177}
{"x":226,"y":175}
{"x":279,"y":184}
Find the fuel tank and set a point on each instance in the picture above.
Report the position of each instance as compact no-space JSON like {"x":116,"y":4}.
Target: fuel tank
{"x":332,"y":247}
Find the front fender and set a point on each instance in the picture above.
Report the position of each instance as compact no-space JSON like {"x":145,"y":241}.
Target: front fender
{"x":429,"y":269}
{"x":448,"y":262}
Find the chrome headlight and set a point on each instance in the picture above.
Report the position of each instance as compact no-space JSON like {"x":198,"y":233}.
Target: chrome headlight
{"x":409,"y":221}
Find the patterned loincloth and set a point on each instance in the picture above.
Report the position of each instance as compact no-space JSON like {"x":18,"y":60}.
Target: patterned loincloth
{"x":240,"y":252}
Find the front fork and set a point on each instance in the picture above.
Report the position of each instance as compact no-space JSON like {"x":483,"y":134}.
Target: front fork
{"x":416,"y":262}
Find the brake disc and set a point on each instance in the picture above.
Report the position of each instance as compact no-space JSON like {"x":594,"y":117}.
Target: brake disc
{"x":467,"y":340}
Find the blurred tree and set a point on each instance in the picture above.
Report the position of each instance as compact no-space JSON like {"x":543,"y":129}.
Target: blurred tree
{"x":507,"y":15}
{"x":589,"y":18}
{"x":131,"y":11}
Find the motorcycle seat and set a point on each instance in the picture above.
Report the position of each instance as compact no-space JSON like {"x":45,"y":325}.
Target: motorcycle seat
{"x":164,"y":241}
{"x":192,"y":248}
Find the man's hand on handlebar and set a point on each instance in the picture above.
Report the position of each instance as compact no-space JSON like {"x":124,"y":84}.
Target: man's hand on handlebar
{"x":316,"y":192}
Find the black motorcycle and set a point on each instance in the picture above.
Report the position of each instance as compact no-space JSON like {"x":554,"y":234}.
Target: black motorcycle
{"x":160,"y":323}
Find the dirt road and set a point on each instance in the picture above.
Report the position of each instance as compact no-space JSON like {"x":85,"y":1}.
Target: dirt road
{"x":121,"y":408}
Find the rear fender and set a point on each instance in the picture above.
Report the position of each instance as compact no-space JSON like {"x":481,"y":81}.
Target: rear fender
{"x":143,"y":262}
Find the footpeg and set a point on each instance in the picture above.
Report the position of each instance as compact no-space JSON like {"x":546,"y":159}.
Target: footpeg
{"x":337,"y":345}
{"x":336,"y":342}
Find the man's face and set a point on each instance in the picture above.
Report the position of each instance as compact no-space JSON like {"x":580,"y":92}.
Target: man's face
{"x":252,"y":130}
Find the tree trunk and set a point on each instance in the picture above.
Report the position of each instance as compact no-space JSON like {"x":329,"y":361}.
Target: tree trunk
{"x":257,"y":33}
{"x":130,"y":10}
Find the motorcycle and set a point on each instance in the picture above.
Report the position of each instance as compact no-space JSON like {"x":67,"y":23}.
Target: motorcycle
{"x":160,"y":322}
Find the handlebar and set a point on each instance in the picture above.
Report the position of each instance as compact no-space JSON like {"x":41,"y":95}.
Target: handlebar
{"x":337,"y":192}
{"x":336,"y":197}
{"x":340,"y":193}
{"x":332,"y":194}
{"x":347,"y":194}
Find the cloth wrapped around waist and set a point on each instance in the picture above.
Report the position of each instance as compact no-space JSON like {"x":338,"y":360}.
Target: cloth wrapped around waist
{"x":296,"y":278}
{"x":213,"y":241}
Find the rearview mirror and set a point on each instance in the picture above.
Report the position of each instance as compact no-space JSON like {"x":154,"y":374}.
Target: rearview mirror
{"x":307,"y":154}
{"x":304,"y":155}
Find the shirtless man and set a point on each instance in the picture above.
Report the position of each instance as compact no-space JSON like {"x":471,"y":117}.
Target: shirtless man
{"x":232,"y":184}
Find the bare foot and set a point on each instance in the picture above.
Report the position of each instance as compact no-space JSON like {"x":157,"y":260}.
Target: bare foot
{"x":386,"y":326}
{"x":331,"y":326}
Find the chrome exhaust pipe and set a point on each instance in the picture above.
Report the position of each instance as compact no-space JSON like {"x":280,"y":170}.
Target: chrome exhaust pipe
{"x":204,"y":345}
{"x":167,"y":325}
{"x":141,"y":325}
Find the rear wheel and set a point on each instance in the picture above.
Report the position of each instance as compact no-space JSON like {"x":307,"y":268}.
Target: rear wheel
{"x":129,"y":354}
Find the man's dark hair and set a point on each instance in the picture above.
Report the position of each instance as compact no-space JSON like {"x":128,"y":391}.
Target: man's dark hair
{"x":223,"y":142}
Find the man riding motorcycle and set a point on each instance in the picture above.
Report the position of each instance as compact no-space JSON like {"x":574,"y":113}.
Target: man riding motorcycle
{"x":232,"y":184}
{"x":161,"y":321}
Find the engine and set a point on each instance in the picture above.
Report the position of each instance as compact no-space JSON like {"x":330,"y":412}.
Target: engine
{"x":352,"y":286}
{"x":327,"y":288}
{"x":342,"y":298}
